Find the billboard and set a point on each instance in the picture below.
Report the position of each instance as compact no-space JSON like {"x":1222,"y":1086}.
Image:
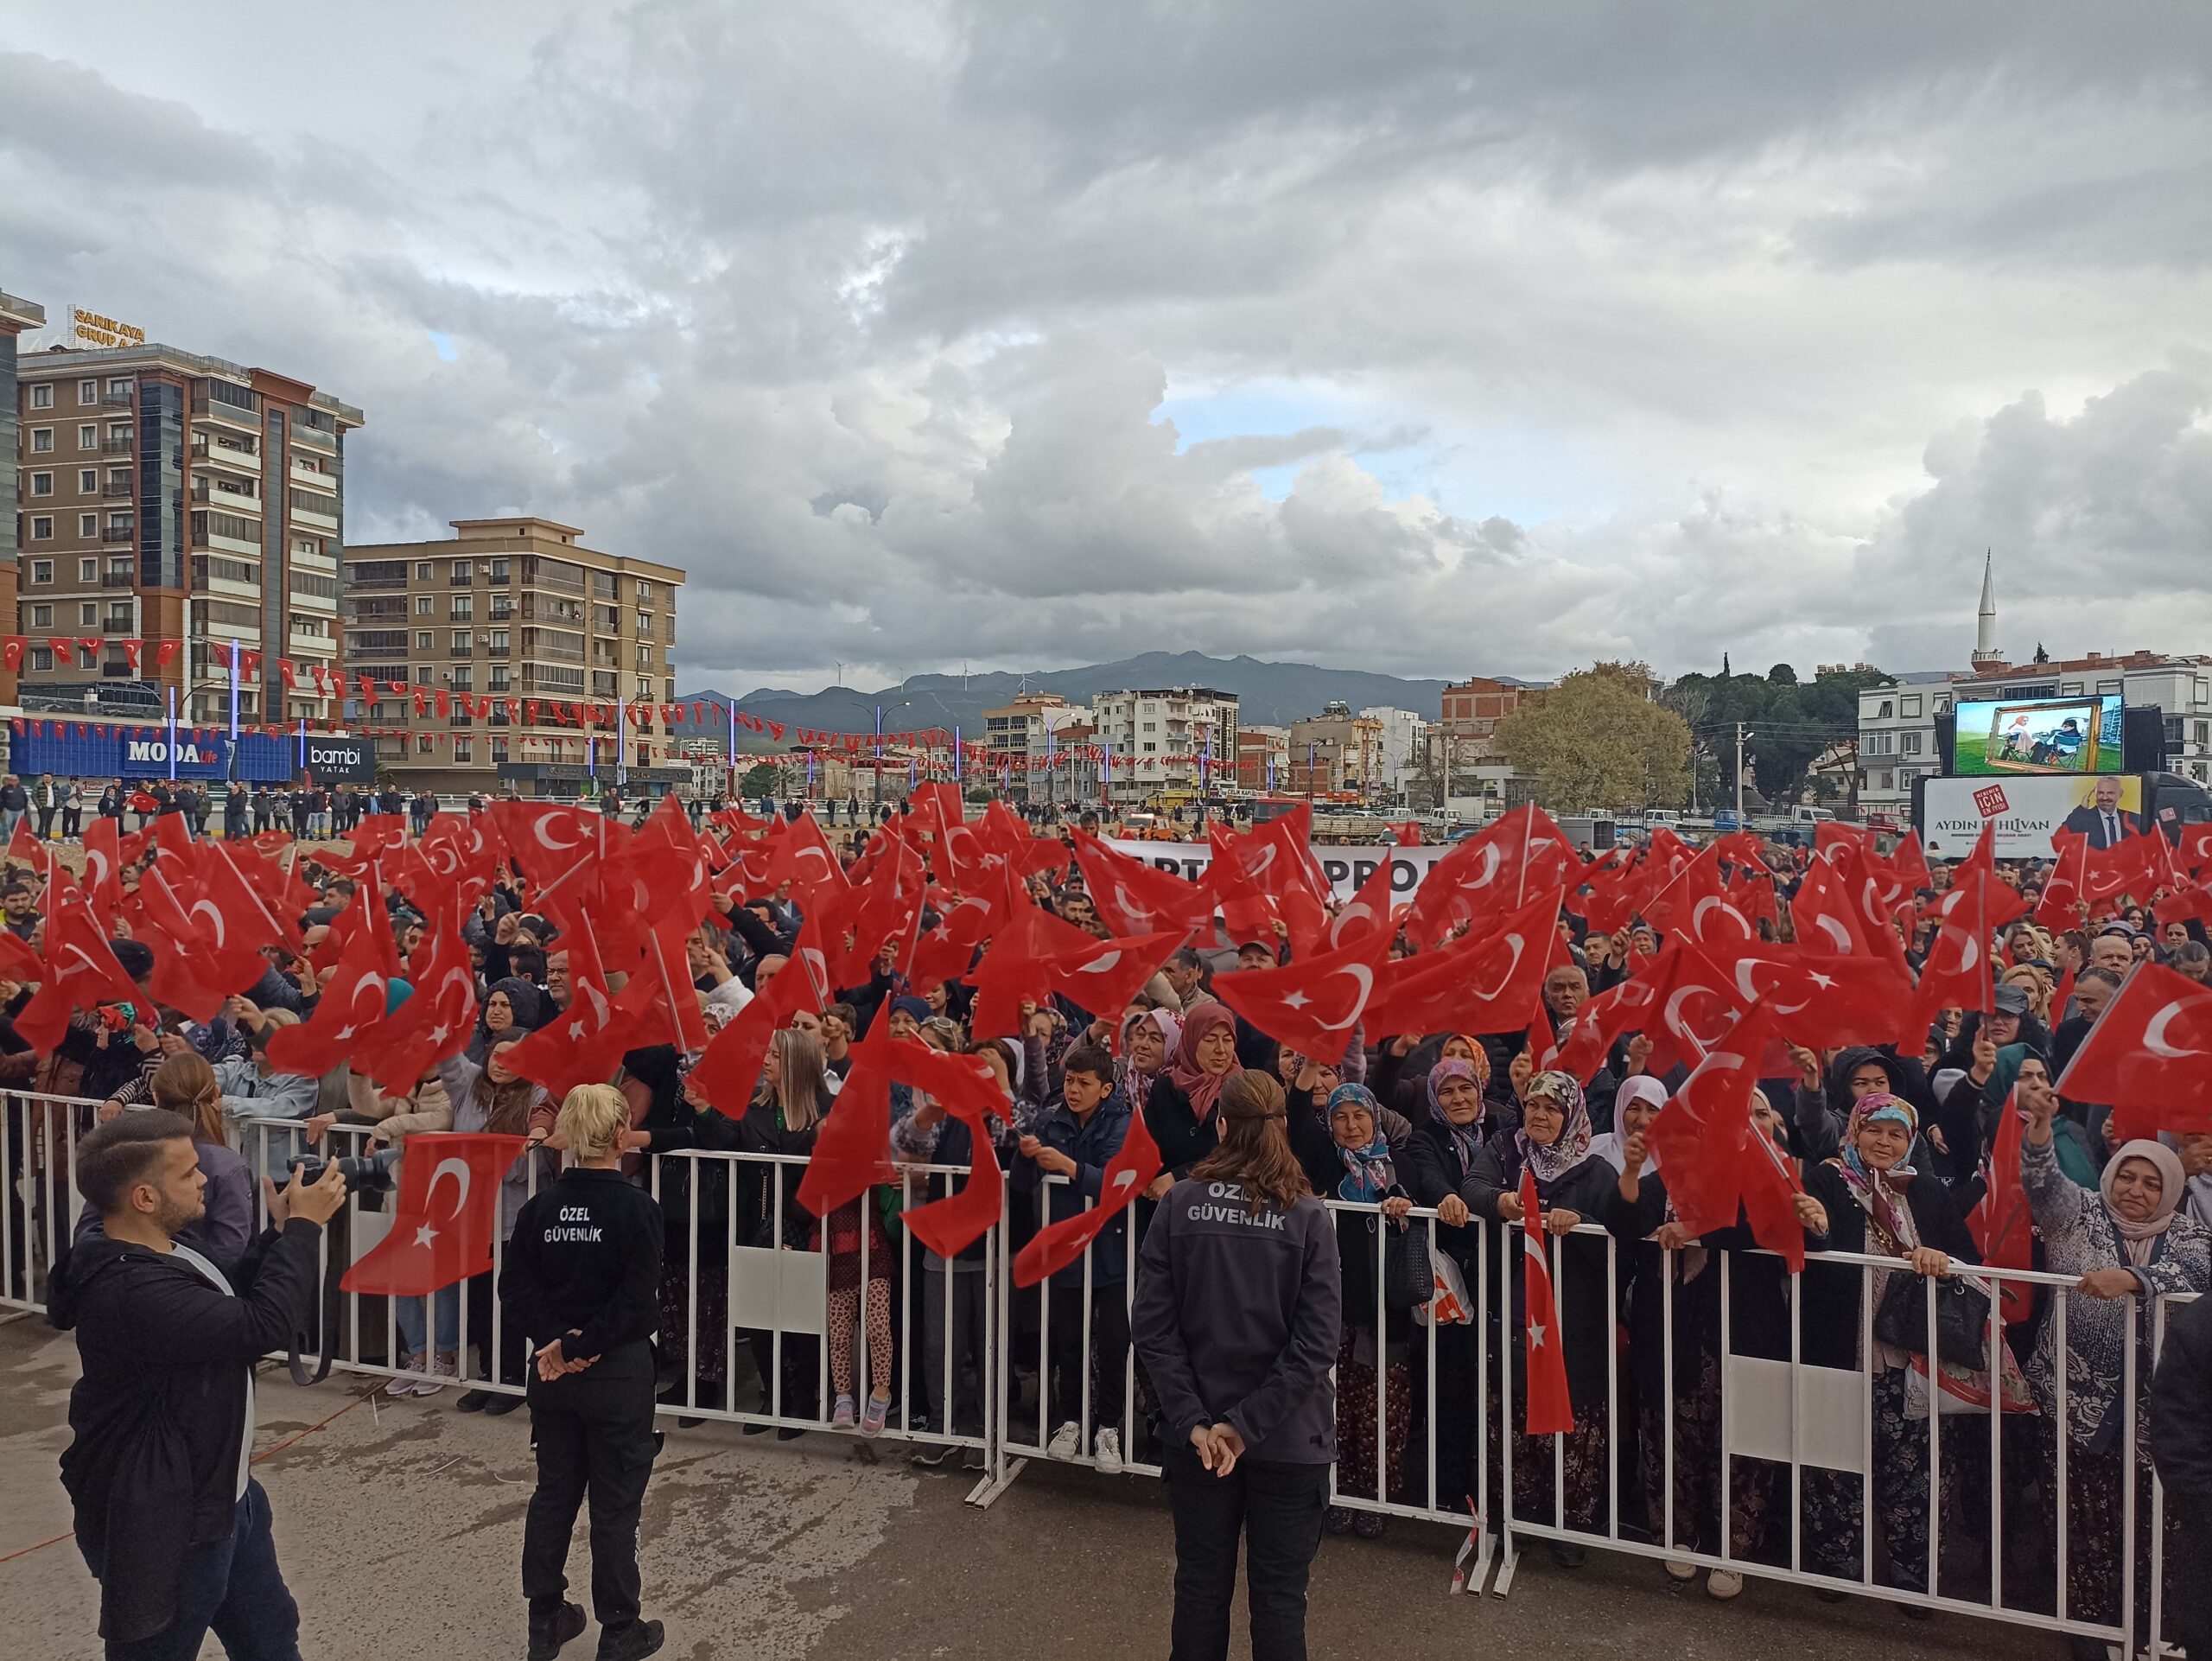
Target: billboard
{"x":2005,"y":738}
{"x":2026,"y":811}
{"x":337,"y":761}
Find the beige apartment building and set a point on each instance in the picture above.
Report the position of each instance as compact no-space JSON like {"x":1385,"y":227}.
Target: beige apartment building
{"x":176,"y":501}
{"x":518,"y":610}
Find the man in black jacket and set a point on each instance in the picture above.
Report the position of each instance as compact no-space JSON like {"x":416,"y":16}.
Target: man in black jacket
{"x":2181,"y":1446}
{"x":168,"y":1517}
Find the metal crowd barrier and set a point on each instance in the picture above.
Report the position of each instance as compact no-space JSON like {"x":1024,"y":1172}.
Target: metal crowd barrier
{"x":1794,"y":1424}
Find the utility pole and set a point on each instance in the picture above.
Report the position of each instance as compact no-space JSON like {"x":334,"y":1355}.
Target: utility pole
{"x":1741,"y":737}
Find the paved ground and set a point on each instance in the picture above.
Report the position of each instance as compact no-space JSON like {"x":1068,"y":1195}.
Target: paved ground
{"x":400,"y":1528}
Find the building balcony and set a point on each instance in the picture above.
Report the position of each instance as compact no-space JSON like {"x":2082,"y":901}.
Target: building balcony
{"x":224,"y":544}
{"x":207,"y":452}
{"x":312,"y":519}
{"x":227,"y":587}
{"x":119,"y":580}
{"x":372,"y":584}
{"x":376,"y":653}
{"x":120,"y":626}
{"x":121,"y":535}
{"x":118,"y":447}
{"x":214,"y":413}
{"x":313,"y":478}
{"x":116,"y":490}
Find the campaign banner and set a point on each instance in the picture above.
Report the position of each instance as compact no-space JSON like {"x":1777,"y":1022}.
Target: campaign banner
{"x":1346,"y":868}
{"x":2027,"y":812}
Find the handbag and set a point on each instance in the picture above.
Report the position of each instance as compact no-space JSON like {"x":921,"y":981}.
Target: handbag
{"x":1962,"y":1319}
{"x":1407,"y":1281}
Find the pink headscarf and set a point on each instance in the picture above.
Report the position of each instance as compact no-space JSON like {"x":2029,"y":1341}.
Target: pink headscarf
{"x":1183,"y":1069}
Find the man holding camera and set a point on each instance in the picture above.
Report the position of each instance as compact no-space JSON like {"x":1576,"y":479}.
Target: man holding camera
{"x":168,"y":1517}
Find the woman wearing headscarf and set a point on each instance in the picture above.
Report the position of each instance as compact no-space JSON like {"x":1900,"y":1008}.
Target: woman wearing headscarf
{"x":2127,"y":1240}
{"x":1439,"y":1155}
{"x":1354,"y":1159}
{"x":1179,"y":1110}
{"x":1876,"y":1205}
{"x":494,"y":1098}
{"x":1146,"y":1043}
{"x":1662,"y":1263}
{"x":509,"y":1011}
{"x":1553,"y":1143}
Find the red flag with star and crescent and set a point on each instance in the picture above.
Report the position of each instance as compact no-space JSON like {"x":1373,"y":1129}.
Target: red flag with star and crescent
{"x":1548,"y":1409}
{"x":446,"y":1217}
{"x":1311,"y":1004}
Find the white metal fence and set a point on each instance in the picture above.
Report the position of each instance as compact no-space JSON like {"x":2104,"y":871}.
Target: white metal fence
{"x":1788,"y":1467}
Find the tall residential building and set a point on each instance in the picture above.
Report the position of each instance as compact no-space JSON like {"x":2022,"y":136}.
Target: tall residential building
{"x":1159,"y":742}
{"x":15,"y":316}
{"x":1034,"y":726}
{"x":1404,"y":734}
{"x":516,"y":608}
{"x":181,"y":502}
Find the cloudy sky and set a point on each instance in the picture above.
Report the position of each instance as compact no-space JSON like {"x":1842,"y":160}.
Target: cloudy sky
{"x":1429,"y":338}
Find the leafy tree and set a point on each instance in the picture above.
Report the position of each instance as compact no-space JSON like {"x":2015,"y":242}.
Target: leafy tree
{"x":1790,"y":723}
{"x":1599,"y":740}
{"x":764,"y":780}
{"x":1782,"y":674}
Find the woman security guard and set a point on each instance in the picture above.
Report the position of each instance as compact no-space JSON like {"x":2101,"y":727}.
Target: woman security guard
{"x":1237,"y":1317}
{"x":582,"y":1277}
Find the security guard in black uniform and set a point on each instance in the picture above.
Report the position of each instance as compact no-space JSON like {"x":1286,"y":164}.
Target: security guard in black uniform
{"x":582,"y":1274}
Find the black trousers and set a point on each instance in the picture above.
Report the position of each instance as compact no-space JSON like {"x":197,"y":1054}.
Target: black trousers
{"x":1109,"y":1349}
{"x":71,"y":818}
{"x":594,"y":1430}
{"x":1277,"y":1508}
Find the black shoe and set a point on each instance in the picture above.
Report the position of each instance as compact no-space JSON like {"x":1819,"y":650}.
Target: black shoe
{"x":560,"y":1623}
{"x":789,"y":1433}
{"x":688,"y":1422}
{"x":755,"y":1429}
{"x":501,"y":1404}
{"x":474,"y":1401}
{"x":634,"y":1643}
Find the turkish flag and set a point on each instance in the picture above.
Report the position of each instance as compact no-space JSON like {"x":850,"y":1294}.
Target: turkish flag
{"x":435,"y":1023}
{"x":2194,"y":851}
{"x":1495,"y":871}
{"x":240,"y":923}
{"x":727,"y":1070}
{"x":1478,"y":982}
{"x":1548,"y":1409}
{"x":1136,"y":897}
{"x":165,"y":653}
{"x":11,"y":653}
{"x":853,"y":1150}
{"x":104,"y":868}
{"x":2135,"y":869}
{"x":1909,"y":864}
{"x":1717,"y":1162}
{"x":1599,"y":1024}
{"x":2000,"y":1223}
{"x":1313,"y":1004}
{"x":1127,"y":1175}
{"x":180,"y":948}
{"x":352,"y":1005}
{"x":2184,"y":904}
{"x":2148,"y":1052}
{"x":966,"y":1088}
{"x":2062,"y":899}
{"x":585,"y":1043}
{"x":80,"y":971}
{"x":1692,"y":1003}
{"x":436,"y":1241}
{"x":1968,"y":914}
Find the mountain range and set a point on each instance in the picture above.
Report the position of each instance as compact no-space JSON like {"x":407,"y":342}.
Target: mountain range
{"x":1268,"y":694}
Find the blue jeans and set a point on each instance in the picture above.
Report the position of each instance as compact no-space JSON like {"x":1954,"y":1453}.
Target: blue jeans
{"x":446,"y":1305}
{"x":233,"y":1587}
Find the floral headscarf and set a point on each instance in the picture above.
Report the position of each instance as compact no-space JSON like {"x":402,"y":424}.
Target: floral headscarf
{"x":1202,"y":1088}
{"x":1369,"y":1173}
{"x":1553,"y":1162}
{"x":1135,"y":1082}
{"x":1466,"y":1139}
{"x":1878,"y":1192}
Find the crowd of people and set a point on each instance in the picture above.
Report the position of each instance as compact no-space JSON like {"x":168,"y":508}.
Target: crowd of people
{"x":1893,"y":1147}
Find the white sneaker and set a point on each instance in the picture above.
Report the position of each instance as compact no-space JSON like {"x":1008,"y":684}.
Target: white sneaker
{"x":1108,"y":1452}
{"x":1066,"y":1443}
{"x":404,"y":1385}
{"x":445,"y":1367}
{"x":1723,"y":1583}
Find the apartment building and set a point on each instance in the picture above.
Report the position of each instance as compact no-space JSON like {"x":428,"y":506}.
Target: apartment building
{"x":1165,"y":742}
{"x":517,"y":609}
{"x":185,"y":504}
{"x":17,"y":315}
